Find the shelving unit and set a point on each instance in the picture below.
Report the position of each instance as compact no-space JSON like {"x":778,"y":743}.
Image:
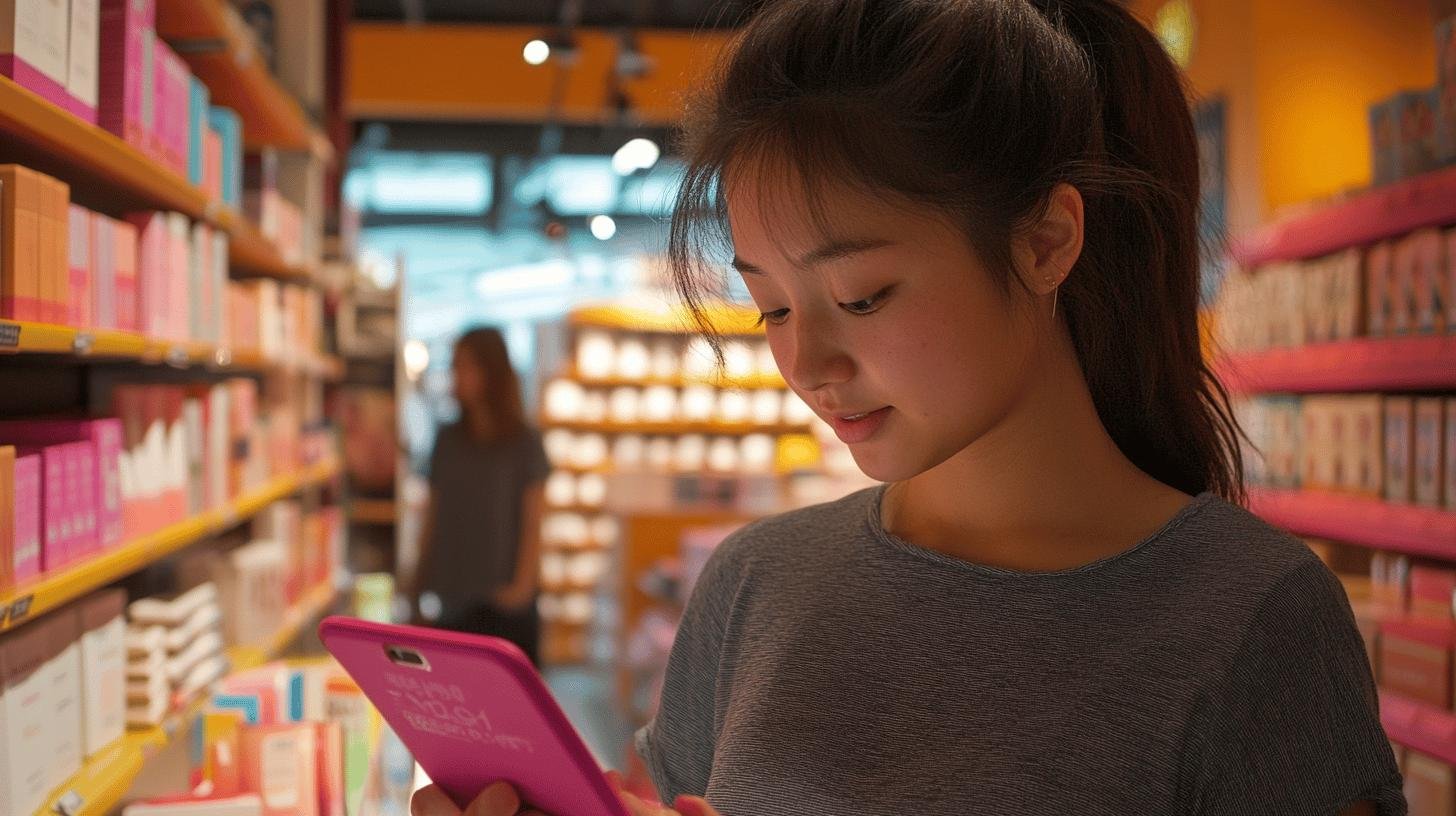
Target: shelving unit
{"x":106,"y":777}
{"x":372,"y":511}
{"x":742,"y":383}
{"x":1410,"y":529}
{"x":678,"y":428}
{"x":1385,"y":364}
{"x":1373,"y":215}
{"x":28,"y":601}
{"x":219,"y":48}
{"x":1417,"y":725}
{"x":73,"y":149}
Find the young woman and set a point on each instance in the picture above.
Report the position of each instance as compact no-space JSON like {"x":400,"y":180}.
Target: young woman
{"x":971,"y":228}
{"x":480,"y":548}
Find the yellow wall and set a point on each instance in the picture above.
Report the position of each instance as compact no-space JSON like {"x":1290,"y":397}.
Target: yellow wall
{"x":1299,"y":76}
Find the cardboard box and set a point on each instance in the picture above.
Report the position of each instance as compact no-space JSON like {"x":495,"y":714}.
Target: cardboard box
{"x":103,"y":668}
{"x":1430,"y":451}
{"x":1379,"y":302}
{"x":34,"y":46}
{"x":1399,"y":449}
{"x":1449,"y":457}
{"x":1428,"y":279}
{"x":1417,"y":117}
{"x":83,"y":82}
{"x":26,"y":747}
{"x":1402,"y":288}
{"x":1415,"y":660}
{"x":1367,"y":441}
{"x":1446,"y":90}
{"x":1430,"y":785}
{"x":20,"y":211}
{"x":1385,"y":152}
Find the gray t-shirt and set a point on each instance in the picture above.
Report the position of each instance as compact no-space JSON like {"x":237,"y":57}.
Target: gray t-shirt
{"x":476,"y":490}
{"x":824,"y":666}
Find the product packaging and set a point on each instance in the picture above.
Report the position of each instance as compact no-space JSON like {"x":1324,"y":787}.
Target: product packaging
{"x":103,"y":668}
{"x":21,"y":194}
{"x":1430,"y":451}
{"x":1415,"y":660}
{"x":34,"y":47}
{"x":1399,"y":449}
{"x":1379,"y":302}
{"x":128,"y":99}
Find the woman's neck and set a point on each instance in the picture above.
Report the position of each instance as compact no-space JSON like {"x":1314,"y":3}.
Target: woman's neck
{"x":479,"y":423}
{"x":1045,"y":489}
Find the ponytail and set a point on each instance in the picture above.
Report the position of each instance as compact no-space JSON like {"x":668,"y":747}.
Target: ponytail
{"x":979,"y":108}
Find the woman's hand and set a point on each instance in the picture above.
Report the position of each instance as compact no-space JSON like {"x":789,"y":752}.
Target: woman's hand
{"x":501,"y":799}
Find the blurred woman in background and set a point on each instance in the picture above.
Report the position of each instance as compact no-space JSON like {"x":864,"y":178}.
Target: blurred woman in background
{"x":480,"y":546}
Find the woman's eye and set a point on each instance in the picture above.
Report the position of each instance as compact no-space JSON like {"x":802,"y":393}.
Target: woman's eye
{"x":867,"y":305}
{"x":776,"y":317}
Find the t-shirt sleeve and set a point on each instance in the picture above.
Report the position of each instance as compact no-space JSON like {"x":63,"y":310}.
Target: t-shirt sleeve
{"x":678,"y":745}
{"x":1294,"y":728}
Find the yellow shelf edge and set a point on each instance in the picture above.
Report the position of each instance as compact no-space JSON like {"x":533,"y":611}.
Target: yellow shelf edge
{"x":22,"y":604}
{"x":106,"y":776}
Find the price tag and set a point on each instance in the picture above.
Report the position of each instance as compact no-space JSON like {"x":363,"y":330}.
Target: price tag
{"x":9,"y":335}
{"x":17,"y":611}
{"x":83,"y":343}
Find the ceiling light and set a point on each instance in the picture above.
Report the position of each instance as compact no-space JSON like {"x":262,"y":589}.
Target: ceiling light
{"x":536,"y":52}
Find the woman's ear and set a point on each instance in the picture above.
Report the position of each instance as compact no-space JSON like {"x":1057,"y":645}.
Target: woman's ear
{"x":1046,"y":253}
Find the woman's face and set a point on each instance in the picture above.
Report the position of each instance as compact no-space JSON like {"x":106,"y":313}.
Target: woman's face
{"x":890,"y":327}
{"x":468,"y":378}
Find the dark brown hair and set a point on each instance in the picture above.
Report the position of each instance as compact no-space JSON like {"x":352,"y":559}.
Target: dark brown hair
{"x":978,"y":108}
{"x":502,"y":399}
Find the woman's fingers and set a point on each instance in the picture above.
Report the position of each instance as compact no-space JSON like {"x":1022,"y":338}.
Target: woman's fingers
{"x":431,"y":801}
{"x":499,"y":799}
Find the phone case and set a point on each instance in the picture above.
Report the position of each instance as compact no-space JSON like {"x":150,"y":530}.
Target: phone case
{"x":479,"y":713}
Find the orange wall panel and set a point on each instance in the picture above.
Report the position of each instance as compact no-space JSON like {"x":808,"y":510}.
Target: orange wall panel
{"x":476,"y":72}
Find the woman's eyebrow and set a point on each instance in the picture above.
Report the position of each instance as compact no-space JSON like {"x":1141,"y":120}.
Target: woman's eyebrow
{"x":832,"y":251}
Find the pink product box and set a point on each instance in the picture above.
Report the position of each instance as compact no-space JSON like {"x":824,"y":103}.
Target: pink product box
{"x":79,"y":303}
{"x":26,"y":561}
{"x":151,"y":271}
{"x":99,"y":442}
{"x":172,"y":83}
{"x":103,"y":272}
{"x":81,"y":498}
{"x":35,"y":46}
{"x":126,"y":100}
{"x":179,"y":250}
{"x":55,"y":531}
{"x":125,"y":259}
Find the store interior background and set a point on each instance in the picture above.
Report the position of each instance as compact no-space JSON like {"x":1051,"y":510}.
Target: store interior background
{"x":511,"y":163}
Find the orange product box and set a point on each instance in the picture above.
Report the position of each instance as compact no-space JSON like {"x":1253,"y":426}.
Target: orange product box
{"x":1447,"y":288}
{"x":20,"y":206}
{"x":1415,"y":659}
{"x":1379,"y":260}
{"x":1402,"y":288}
{"x":1431,"y":592}
{"x":1400,"y":423}
{"x":1430,"y":785}
{"x":1390,"y":582}
{"x":280,"y":764}
{"x":1427,"y":272}
{"x":1429,"y":451}
{"x":55,"y":245}
{"x":1449,"y":444}
{"x":1367,"y":426}
{"x":1349,"y":295}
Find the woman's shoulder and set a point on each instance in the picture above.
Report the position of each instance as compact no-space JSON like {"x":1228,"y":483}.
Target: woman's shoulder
{"x":797,"y":533}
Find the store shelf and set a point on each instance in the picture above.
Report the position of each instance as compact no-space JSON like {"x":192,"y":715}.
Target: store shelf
{"x":26,"y":602}
{"x":220,"y":49}
{"x":1384,"y":212}
{"x":1421,"y":531}
{"x":676,"y":428}
{"x":580,"y":509}
{"x":253,"y":255}
{"x":96,"y":154}
{"x":1391,"y":364}
{"x":372,"y":511}
{"x":311,"y":607}
{"x":101,"y":783}
{"x":1420,"y":726}
{"x":751,"y":383}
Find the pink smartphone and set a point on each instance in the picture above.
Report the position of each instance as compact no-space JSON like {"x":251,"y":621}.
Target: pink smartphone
{"x":474,"y":711}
